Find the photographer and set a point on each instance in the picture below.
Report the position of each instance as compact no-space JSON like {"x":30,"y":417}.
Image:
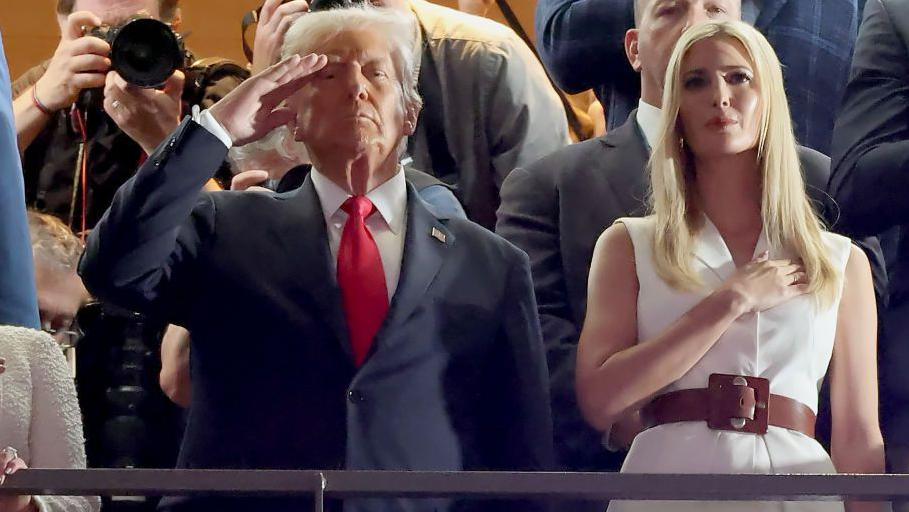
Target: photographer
{"x":98,"y":139}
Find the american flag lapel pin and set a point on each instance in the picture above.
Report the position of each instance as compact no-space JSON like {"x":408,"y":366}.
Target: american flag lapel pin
{"x":437,"y":234}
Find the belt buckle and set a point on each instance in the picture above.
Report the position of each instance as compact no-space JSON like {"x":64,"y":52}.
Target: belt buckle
{"x":738,"y":403}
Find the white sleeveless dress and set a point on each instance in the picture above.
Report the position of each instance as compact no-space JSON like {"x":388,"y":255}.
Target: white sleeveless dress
{"x":790,"y":345}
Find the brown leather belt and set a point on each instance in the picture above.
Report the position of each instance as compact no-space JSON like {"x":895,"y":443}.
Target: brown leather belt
{"x":731,"y":402}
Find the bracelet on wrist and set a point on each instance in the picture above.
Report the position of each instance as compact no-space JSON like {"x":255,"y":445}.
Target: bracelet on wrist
{"x":40,"y":106}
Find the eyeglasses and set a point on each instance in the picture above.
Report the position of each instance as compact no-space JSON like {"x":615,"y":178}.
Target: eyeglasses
{"x":66,"y":338}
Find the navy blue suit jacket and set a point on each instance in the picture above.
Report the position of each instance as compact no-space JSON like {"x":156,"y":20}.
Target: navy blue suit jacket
{"x":457,"y":379}
{"x":18,"y":300}
{"x":870,"y":178}
{"x":581,"y":43}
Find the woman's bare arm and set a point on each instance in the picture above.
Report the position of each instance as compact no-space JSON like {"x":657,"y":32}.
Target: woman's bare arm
{"x":857,"y":445}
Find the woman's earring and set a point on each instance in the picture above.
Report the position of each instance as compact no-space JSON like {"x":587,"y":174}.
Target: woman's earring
{"x":681,"y":144}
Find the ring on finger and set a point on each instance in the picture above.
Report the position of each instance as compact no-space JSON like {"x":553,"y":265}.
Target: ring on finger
{"x":115,"y":104}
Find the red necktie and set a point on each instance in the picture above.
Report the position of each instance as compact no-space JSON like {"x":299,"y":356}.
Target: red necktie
{"x":361,"y":278}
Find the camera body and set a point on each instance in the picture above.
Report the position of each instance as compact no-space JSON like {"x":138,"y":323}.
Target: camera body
{"x":144,"y":51}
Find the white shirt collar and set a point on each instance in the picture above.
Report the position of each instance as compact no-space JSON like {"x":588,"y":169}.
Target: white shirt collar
{"x":648,"y":118}
{"x":390,"y":198}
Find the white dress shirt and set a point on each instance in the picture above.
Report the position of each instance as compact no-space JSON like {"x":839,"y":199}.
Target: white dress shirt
{"x":648,"y":119}
{"x":387,"y":226}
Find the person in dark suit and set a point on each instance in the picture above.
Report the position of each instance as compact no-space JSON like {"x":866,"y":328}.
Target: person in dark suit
{"x":423,"y":353}
{"x":556,"y":208}
{"x":581,"y":42}
{"x":868,"y":183}
{"x":18,"y":298}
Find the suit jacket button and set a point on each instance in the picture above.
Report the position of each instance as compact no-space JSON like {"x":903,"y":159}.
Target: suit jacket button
{"x":355,"y":397}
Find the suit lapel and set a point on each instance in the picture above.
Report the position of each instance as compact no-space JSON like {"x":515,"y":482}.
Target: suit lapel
{"x":425,"y":244}
{"x":769,"y":11}
{"x":629,"y":181}
{"x":313,"y":258}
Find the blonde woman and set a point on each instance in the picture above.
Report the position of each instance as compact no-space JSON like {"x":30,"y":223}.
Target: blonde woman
{"x":712,"y":321}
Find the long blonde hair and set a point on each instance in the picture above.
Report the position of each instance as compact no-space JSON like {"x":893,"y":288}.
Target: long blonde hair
{"x":787,"y":215}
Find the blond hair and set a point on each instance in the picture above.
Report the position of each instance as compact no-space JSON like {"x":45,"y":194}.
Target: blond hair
{"x":53,"y":243}
{"x":788,"y":218}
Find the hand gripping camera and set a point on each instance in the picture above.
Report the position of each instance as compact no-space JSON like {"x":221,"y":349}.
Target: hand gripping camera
{"x":144,"y":51}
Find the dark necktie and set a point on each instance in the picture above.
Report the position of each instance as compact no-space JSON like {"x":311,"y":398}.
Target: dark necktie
{"x":361,"y":278}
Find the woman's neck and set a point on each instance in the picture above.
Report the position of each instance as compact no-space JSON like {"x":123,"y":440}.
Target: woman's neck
{"x":729,"y":191}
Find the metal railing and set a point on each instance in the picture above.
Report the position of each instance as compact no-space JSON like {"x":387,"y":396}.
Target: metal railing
{"x":377,"y":484}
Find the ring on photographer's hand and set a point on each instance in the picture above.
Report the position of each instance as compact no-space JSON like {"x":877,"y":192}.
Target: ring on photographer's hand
{"x":115,"y":104}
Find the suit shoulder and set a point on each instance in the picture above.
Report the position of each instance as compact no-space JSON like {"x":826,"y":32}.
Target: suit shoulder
{"x":233,"y":207}
{"x":229,"y":199}
{"x":815,"y":166}
{"x":568,"y":159}
{"x":483,"y":244}
{"x":810,"y":156}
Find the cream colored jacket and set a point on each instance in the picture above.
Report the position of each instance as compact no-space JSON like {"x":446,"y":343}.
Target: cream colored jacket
{"x":39,"y":412}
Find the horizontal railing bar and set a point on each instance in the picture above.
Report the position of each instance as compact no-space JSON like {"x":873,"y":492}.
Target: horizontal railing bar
{"x":350,"y":484}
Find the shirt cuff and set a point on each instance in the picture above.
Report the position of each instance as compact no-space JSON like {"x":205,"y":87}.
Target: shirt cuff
{"x":207,"y":121}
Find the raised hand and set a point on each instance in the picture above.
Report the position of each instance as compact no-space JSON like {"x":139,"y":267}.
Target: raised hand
{"x":80,"y":62}
{"x":766,"y":283}
{"x":274,"y":20}
{"x":254,"y":108}
{"x":146,"y":115}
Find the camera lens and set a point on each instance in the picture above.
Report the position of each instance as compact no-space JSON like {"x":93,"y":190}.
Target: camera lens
{"x":146,"y":52}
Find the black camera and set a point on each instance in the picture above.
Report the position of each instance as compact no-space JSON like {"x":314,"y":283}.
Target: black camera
{"x":144,"y":51}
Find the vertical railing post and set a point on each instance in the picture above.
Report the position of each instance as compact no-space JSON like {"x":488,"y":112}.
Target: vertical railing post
{"x":320,"y":495}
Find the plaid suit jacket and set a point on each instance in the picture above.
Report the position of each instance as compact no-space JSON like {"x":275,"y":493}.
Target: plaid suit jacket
{"x":581,"y":43}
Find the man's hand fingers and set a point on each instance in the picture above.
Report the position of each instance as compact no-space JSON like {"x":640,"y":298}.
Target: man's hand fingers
{"x":89,"y":80}
{"x":287,"y":21}
{"x":246,"y":179}
{"x":89,"y":63}
{"x":268,"y":11}
{"x":293,"y":7}
{"x":296,"y":77}
{"x":279,"y":117}
{"x":294,"y":66}
{"x":174,"y":85}
{"x":89,"y":45}
{"x":79,"y":23}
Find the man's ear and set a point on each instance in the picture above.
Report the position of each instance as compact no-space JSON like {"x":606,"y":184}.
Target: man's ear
{"x":410,"y":121}
{"x":631,"y":49}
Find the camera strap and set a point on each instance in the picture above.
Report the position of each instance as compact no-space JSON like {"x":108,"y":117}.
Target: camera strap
{"x":80,"y":172}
